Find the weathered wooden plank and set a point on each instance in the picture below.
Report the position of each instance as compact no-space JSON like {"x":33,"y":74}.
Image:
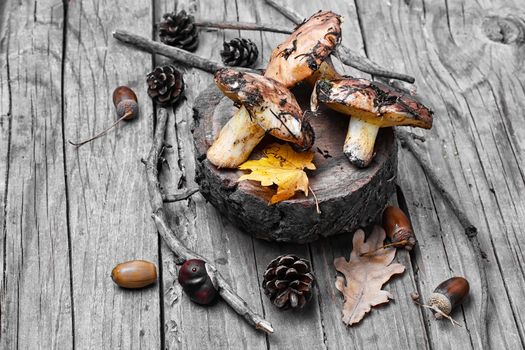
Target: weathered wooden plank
{"x":188,"y":325}
{"x":5,"y":131}
{"x":110,"y":218}
{"x":36,"y":299}
{"x":475,"y":87}
{"x":304,"y":325}
{"x":369,"y":334}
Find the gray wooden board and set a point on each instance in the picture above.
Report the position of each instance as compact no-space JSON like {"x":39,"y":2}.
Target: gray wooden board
{"x":36,"y":299}
{"x":187,"y":325}
{"x":475,"y":86}
{"x":109,"y":216}
{"x":305,"y":325}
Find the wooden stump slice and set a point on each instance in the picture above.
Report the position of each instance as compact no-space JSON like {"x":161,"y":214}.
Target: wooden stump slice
{"x":348,"y":197}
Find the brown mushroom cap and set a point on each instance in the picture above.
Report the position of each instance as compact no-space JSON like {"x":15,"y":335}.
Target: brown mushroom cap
{"x":301,"y":54}
{"x":373,"y":102}
{"x":271,"y":105}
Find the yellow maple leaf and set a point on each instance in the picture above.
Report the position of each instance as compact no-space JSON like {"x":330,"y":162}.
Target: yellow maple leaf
{"x":283,"y":167}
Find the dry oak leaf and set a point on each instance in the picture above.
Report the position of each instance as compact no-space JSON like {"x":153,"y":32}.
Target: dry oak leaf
{"x":283,"y":167}
{"x":365,"y":275}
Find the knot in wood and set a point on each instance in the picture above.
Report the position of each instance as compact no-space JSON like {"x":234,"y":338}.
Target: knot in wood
{"x":505,"y":30}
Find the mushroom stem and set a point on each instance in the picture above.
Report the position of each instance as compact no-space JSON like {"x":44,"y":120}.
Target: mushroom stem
{"x":359,"y":142}
{"x":236,"y":141}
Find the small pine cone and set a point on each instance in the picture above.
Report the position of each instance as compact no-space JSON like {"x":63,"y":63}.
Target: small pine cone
{"x":239,"y":52}
{"x":179,"y":30}
{"x":165,"y":85}
{"x":288,"y":282}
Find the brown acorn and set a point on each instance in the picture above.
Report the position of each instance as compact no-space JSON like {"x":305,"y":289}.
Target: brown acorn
{"x":398,"y":228}
{"x":447,"y":295}
{"x":134,"y":274}
{"x":125,"y":101}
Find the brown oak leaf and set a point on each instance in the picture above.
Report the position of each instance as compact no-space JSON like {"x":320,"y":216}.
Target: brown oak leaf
{"x":365,"y":275}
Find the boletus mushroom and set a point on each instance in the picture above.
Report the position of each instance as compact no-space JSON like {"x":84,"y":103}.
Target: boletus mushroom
{"x":304,"y":51}
{"x":301,"y":55}
{"x":264,"y":103}
{"x":371,"y":105}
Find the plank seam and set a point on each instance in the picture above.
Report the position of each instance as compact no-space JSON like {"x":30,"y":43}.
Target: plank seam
{"x":162,"y":316}
{"x":9,"y":132}
{"x":66,"y":189}
{"x":401,"y":200}
{"x":319,"y":303}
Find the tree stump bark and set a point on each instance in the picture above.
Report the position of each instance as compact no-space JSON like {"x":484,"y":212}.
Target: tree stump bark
{"x":348,"y":197}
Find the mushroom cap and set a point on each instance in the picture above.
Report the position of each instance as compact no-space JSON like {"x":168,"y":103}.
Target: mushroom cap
{"x":270,"y":104}
{"x":373,"y":102}
{"x":301,"y":54}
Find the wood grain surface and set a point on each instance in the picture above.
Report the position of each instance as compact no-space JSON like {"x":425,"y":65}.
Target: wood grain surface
{"x":69,"y":215}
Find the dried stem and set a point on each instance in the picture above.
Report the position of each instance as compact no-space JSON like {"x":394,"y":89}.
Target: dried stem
{"x":470,"y":229}
{"x":389,"y":245}
{"x":439,"y":312}
{"x":103,"y":132}
{"x":244,"y":26}
{"x":182,"y":252}
{"x":347,"y":56}
{"x":317,"y":209}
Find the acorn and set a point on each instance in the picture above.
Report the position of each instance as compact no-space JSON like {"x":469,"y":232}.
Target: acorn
{"x":134,"y":274}
{"x":447,"y":295}
{"x":125,"y":102}
{"x":398,"y":228}
{"x":197,"y":283}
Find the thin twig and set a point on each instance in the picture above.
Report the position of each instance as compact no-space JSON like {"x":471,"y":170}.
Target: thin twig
{"x":182,"y":252}
{"x":244,"y":26}
{"x":347,"y":56}
{"x":174,"y":53}
{"x":439,"y":312}
{"x":389,"y":245}
{"x":317,"y":209}
{"x":286,"y":12}
{"x":470,"y":229}
{"x":102,"y":133}
{"x":180,"y":196}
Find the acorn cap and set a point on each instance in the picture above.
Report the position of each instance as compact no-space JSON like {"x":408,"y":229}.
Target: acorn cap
{"x":373,"y":102}
{"x":270,"y":104}
{"x":301,"y":54}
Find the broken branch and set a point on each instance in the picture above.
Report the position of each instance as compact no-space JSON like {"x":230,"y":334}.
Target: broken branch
{"x":243,"y":26}
{"x":182,"y":252}
{"x":470,"y":229}
{"x":174,"y":53}
{"x":347,"y":56}
{"x":179,"y":196}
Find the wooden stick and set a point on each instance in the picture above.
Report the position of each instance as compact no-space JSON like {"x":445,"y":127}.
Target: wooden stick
{"x":180,"y":196}
{"x":178,"y":55}
{"x":244,"y":26}
{"x":172,"y":52}
{"x":347,"y":56}
{"x":470,"y":229}
{"x":182,"y":252}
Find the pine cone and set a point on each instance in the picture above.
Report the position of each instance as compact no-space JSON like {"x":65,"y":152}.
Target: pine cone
{"x":288,"y":282}
{"x":179,"y":30}
{"x":165,"y":85}
{"x":239,"y":52}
